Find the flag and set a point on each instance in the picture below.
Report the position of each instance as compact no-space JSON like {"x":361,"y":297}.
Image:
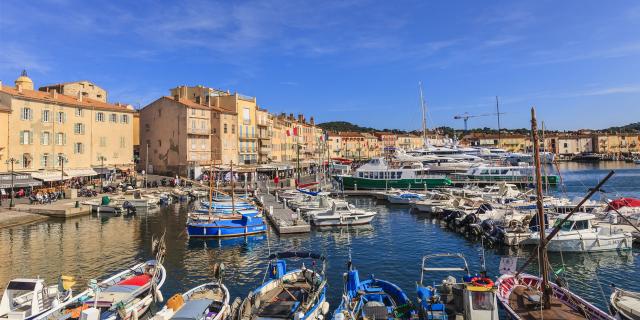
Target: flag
{"x":295,"y":131}
{"x":288,"y":133}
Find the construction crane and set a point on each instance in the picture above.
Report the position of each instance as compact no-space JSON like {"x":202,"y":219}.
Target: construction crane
{"x":465,"y":116}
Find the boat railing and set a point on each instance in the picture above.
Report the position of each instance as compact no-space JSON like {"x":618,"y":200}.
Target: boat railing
{"x":432,"y":257}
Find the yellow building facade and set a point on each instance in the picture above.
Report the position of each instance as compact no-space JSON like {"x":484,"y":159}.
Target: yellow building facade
{"x":49,"y":130}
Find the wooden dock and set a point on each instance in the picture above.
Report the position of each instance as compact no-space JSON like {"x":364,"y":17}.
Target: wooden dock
{"x":283,"y":219}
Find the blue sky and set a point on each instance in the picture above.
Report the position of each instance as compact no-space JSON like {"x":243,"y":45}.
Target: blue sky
{"x":353,"y":60}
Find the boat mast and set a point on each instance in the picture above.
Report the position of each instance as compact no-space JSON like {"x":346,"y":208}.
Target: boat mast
{"x":233,"y":189}
{"x":498,"y":114}
{"x":424,"y":115}
{"x":210,"y":188}
{"x":542,"y":249}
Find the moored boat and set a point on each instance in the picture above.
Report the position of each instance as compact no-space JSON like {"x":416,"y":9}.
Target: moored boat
{"x":341,"y":213}
{"x":297,"y":294}
{"x":625,"y":304}
{"x":28,"y":298}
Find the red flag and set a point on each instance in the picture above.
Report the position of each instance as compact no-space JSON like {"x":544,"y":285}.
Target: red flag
{"x":295,"y":131}
{"x":288,"y":133}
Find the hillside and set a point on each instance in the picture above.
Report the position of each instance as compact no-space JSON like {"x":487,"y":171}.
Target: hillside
{"x":632,"y":127}
{"x":342,"y":126}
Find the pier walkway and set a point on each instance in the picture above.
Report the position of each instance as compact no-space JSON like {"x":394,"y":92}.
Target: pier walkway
{"x":282,"y":218}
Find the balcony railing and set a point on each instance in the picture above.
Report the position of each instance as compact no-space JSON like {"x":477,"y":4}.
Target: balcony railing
{"x":198,"y":131}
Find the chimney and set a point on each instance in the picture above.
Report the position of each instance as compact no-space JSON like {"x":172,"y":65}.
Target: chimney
{"x":53,"y":93}
{"x":300,"y":118}
{"x":311,"y":121}
{"x":182,"y":92}
{"x":79,"y":96}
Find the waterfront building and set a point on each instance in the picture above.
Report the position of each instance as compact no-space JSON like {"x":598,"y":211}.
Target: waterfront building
{"x":568,"y":144}
{"x":45,"y":130}
{"x":388,"y":142}
{"x":372,"y":145}
{"x":265,"y":126}
{"x":508,"y":141}
{"x":175,"y":137}
{"x":86,"y":88}
{"x":616,"y":144}
{"x":410,"y":142}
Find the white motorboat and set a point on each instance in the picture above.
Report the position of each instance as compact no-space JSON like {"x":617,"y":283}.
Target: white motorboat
{"x":28,"y":298}
{"x":321,"y":201}
{"x":579,"y":234}
{"x":341,"y":213}
{"x":433,"y":202}
{"x":104,"y":205}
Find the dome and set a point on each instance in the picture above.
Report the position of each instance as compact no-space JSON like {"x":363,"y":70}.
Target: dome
{"x":24,"y":81}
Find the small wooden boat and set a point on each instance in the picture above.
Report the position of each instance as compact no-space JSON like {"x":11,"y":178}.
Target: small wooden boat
{"x":297,"y":294}
{"x":208,"y":301}
{"x":126,"y":296}
{"x":625,"y":304}
{"x":28,"y":298}
{"x":371,"y":299}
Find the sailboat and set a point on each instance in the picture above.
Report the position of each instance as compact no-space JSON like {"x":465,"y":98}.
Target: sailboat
{"x":232,"y":224}
{"x":526,"y":296}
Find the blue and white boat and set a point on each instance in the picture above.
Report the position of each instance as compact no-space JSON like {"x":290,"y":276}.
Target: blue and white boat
{"x":226,"y":225}
{"x":371,"y":299}
{"x":472,"y":299}
{"x":297,"y":294}
{"x":404,"y":197}
{"x":227,"y":205}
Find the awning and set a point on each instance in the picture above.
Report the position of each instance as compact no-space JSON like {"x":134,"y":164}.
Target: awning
{"x":48,"y":175}
{"x":72,"y":173}
{"x":20,"y":180}
{"x":105,"y":170}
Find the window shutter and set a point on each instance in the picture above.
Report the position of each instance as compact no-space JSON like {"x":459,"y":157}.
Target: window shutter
{"x":42,"y":160}
{"x":30,"y":137}
{"x":64,"y":139}
{"x":42,"y":138}
{"x":21,"y":137}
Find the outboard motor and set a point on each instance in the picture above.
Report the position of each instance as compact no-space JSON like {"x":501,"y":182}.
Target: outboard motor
{"x":130,"y":208}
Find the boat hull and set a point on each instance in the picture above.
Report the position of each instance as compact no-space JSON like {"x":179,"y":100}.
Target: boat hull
{"x":228,"y":228}
{"x":507,"y":283}
{"x":351,"y":183}
{"x":586,"y":244}
{"x":336,"y":222}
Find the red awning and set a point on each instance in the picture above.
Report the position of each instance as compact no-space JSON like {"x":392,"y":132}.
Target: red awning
{"x":623,"y":202}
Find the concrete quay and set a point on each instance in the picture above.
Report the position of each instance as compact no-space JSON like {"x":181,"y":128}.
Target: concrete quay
{"x":283,"y":219}
{"x":63,"y":208}
{"x":12,"y":218}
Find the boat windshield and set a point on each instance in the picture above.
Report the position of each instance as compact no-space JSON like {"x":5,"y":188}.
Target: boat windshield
{"x":482,"y":300}
{"x":566,"y":226}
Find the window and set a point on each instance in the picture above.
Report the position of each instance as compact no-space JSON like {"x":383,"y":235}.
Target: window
{"x":246,"y":116}
{"x":566,"y":226}
{"x":202,"y":112}
{"x":44,"y":138}
{"x":78,"y":128}
{"x":193,"y":144}
{"x":113,"y":118}
{"x":581,"y":225}
{"x":482,"y":300}
{"x":103,"y":141}
{"x":100,"y":117}
{"x":46,"y":115}
{"x":26,"y":114}
{"x":61,"y":117}
{"x":233,"y":129}
{"x":26,"y":137}
{"x":26,"y":160}
{"x":44,"y":160}
{"x":193,"y":112}
{"x":214,"y":131}
{"x":61,"y":139}
{"x":122,"y":142}
{"x":124,"y":118}
{"x":78,"y":148}
{"x":202,"y":125}
{"x":225,"y":128}
{"x":193,"y":124}
{"x":566,"y":145}
{"x":79,"y":112}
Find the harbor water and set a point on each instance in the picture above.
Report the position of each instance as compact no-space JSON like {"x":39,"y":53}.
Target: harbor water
{"x":391,"y":248}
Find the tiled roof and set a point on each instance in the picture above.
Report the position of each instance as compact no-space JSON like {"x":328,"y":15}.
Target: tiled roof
{"x":191,"y":104}
{"x":46,"y":97}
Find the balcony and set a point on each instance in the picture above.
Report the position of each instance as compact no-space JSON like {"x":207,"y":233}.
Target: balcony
{"x":198,"y":131}
{"x":265,"y":150}
{"x":247,"y":137}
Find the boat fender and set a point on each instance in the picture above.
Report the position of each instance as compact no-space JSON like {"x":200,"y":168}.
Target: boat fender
{"x":324,"y":308}
{"x":482,"y":282}
{"x":158,"y":295}
{"x":299,"y":316}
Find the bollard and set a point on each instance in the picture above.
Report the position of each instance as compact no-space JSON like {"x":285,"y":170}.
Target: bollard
{"x":262,"y":199}
{"x":271,"y":210}
{"x":277,"y":200}
{"x":284,"y":204}
{"x":355,"y":187}
{"x":77,"y":204}
{"x":425,"y":187}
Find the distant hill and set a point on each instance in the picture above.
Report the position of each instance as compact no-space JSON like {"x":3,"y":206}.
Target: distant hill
{"x":341,"y":126}
{"x":632,"y":127}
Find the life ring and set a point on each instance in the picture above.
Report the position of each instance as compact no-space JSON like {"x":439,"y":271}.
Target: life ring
{"x":482,"y":282}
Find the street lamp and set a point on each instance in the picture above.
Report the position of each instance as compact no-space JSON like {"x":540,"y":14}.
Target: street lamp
{"x":102,"y":159}
{"x":12,"y":161}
